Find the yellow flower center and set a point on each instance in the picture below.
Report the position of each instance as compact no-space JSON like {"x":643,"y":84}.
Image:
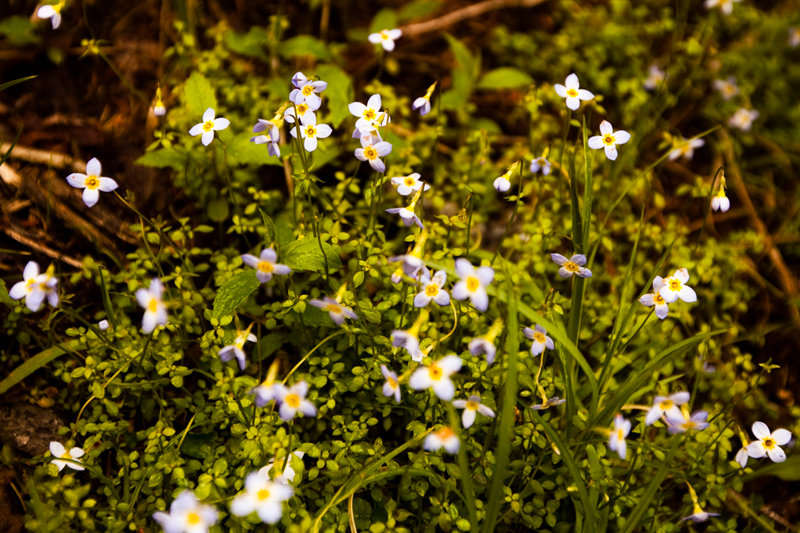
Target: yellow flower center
{"x":572,"y":267}
{"x":472,"y":406}
{"x":153,"y":305}
{"x":609,"y":139}
{"x":29,"y":283}
{"x":768,"y":443}
{"x":263,"y":494}
{"x":572,"y":93}
{"x":192,"y":518}
{"x":370,"y":152}
{"x":539,"y":337}
{"x":674,"y":284}
{"x":445,"y":433}
{"x":66,"y":455}
{"x":292,"y":400}
{"x":333,"y":308}
{"x":432,"y":290}
{"x":392,"y":382}
{"x":208,"y":126}
{"x":435,"y":372}
{"x":301,"y":109}
{"x":385,"y":35}
{"x":92,"y":182}
{"x":311,"y":131}
{"x":265,"y":266}
{"x":473,"y":284}
{"x":43,"y":286}
{"x":689,"y":424}
{"x":410,"y":182}
{"x":620,"y":435}
{"x":658,"y":299}
{"x":369,"y":114}
{"x":308,"y":90}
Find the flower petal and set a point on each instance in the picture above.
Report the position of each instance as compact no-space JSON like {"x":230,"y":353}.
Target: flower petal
{"x":107,"y":185}
{"x":209,"y":115}
{"x":781,"y":437}
{"x":93,"y":167}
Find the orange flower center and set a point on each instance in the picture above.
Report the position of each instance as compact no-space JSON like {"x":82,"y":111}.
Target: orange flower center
{"x":435,"y":372}
{"x":472,"y":406}
{"x":370,"y":152}
{"x":292,"y":400}
{"x":265,"y":266}
{"x":572,"y":267}
{"x":432,"y":290}
{"x":473,"y":284}
{"x":609,"y":139}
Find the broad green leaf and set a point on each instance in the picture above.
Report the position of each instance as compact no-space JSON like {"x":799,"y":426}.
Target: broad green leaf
{"x":305,"y":254}
{"x":234,"y":292}
{"x":248,"y":44}
{"x":198,"y":445}
{"x":37,"y":361}
{"x":270,"y":226}
{"x":18,"y":31}
{"x":249,"y":153}
{"x":504,"y":78}
{"x":417,"y":9}
{"x":339,"y":92}
{"x":284,"y":233}
{"x":199,"y":95}
{"x":313,"y":316}
{"x":386,"y":19}
{"x":218,"y":210}
{"x":268,"y":345}
{"x":164,"y":158}
{"x":304,"y":45}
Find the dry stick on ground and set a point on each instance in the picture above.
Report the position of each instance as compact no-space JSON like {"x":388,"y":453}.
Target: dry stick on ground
{"x":458,"y":15}
{"x":43,"y":157}
{"x":785,"y":277}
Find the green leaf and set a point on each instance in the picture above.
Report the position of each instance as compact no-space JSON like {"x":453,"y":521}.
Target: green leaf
{"x":386,"y":19}
{"x":270,"y":226}
{"x":18,"y":31}
{"x":249,"y":153}
{"x":4,"y":297}
{"x":11,"y":83}
{"x":38,"y":361}
{"x":462,"y":75}
{"x":218,"y":210}
{"x":314,"y":316}
{"x":164,"y":158}
{"x":199,"y":94}
{"x":304,"y":254}
{"x":234,"y":292}
{"x":339,"y":92}
{"x":504,"y":78}
{"x":644,"y":504}
{"x":269,"y":344}
{"x":248,"y":44}
{"x":284,"y":233}
{"x":198,"y":445}
{"x":304,"y":45}
{"x":418,"y":9}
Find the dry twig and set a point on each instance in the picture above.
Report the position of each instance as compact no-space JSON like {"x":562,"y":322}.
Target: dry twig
{"x":464,"y":13}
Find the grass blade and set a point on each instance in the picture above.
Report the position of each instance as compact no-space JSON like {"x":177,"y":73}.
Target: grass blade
{"x":36,"y":362}
{"x":644,"y":503}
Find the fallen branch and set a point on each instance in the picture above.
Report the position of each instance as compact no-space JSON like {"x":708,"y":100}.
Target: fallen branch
{"x":43,"y":157}
{"x":458,"y":15}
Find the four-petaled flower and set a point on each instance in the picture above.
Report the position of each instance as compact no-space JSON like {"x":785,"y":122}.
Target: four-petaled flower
{"x":35,"y":287}
{"x":432,"y":289}
{"x":728,"y":87}
{"x":482,"y":345}
{"x":573,"y":92}
{"x":265,"y":265}
{"x":674,"y":287}
{"x":310,"y":131}
{"x":392,"y":386}
{"x":573,"y":265}
{"x":473,"y":283}
{"x":187,"y":515}
{"x":52,"y":12}
{"x":540,"y":339}
{"x":209,"y":126}
{"x":666,"y":405}
{"x":386,"y":38}
{"x":302,"y":110}
{"x":547,"y":403}
{"x":409,"y":341}
{"x":91,"y":182}
{"x":272,"y":139}
{"x":768,"y":444}
{"x":307,"y":92}
{"x":540,"y":163}
{"x":368,"y":115}
{"x":337,"y":311}
{"x":681,"y":424}
{"x":373,"y":152}
{"x":609,"y":139}
{"x":472,"y":406}
{"x":263,"y":496}
{"x":408,"y":184}
{"x":743,"y":119}
{"x":437,"y":377}
{"x":686,"y":148}
{"x":293,"y":399}
{"x":288,"y":472}
{"x":237,"y":348}
{"x":726,"y":6}
{"x":444,"y":438}
{"x":155,"y":312}
{"x":58,"y":451}
{"x":616,"y":439}
{"x":655,"y":299}
{"x":406,"y":215}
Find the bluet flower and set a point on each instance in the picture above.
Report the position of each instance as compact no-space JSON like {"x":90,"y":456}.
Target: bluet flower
{"x":666,"y":405}
{"x":768,"y":444}
{"x":271,"y":140}
{"x":209,"y":126}
{"x":540,"y":339}
{"x":293,"y":400}
{"x":432,"y":289}
{"x":743,"y":119}
{"x":392,"y":386}
{"x":473,"y":283}
{"x":655,"y":299}
{"x":386,"y":38}
{"x":472,"y":406}
{"x":266,"y":265}
{"x":409,"y":339}
{"x":58,"y":451}
{"x":91,"y":182}
{"x":698,"y":515}
{"x":310,"y":131}
{"x":485,"y":343}
{"x":541,"y":163}
{"x":263,"y":496}
{"x":573,"y":265}
{"x":369,"y":116}
{"x":725,"y":6}
{"x":187,"y":515}
{"x":503,"y":183}
{"x":548,"y":403}
{"x":237,"y":348}
{"x":616,"y":440}
{"x":609,"y":139}
{"x":155,"y":312}
{"x":423,"y":103}
{"x":444,"y":438}
{"x":408,"y":184}
{"x":52,"y":12}
{"x":684,"y":423}
{"x":288,"y":472}
{"x":373,"y":153}
{"x":727,"y":88}
{"x":436,"y":376}
{"x":307,"y":92}
{"x":675,"y":287}
{"x":336,"y":310}
{"x":654,"y":77}
{"x":35,"y":287}
{"x":685,"y":148}
{"x":571,"y":90}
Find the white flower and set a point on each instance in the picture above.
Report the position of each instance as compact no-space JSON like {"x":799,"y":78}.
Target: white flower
{"x":35,"y":287}
{"x":159,"y":110}
{"x":573,"y":92}
{"x":609,"y":139}
{"x":411,"y":266}
{"x":307,"y":92}
{"x":666,"y":405}
{"x":794,"y":37}
{"x":573,"y":265}
{"x":432,"y":289}
{"x":728,"y":87}
{"x":699,"y":515}
{"x":392,"y":386}
{"x":501,"y":184}
{"x":92,"y":183}
{"x":407,"y":216}
{"x":372,"y":154}
{"x":263,"y":496}
{"x":103,"y":325}
{"x":288,"y":472}
{"x":616,"y":439}
{"x":473,"y":283}
{"x":236,"y":349}
{"x":540,"y":163}
{"x":299,"y":79}
{"x":409,"y":341}
{"x":302,"y":110}
{"x":155,"y":312}
{"x":293,"y":400}
{"x":741,"y":456}
{"x":654,"y":78}
{"x":271,"y":140}
{"x":408,"y":184}
{"x":52,"y":12}
{"x":209,"y":126}
{"x":368,"y":115}
{"x":265,"y":265}
{"x":444,"y":438}
{"x":540,"y":339}
{"x":58,"y":451}
{"x":655,"y":299}
{"x":264,"y":393}
{"x":437,"y":377}
{"x":549,"y":402}
{"x":482,"y":345}
{"x":386,"y":38}
{"x":743,"y":119}
{"x":720,"y":202}
{"x":726,"y":6}
{"x":674,"y":288}
{"x":768,"y":444}
{"x":686,"y":149}
{"x":337,"y":311}
{"x":423,"y":103}
{"x":472,"y":406}
{"x":310,"y":131}
{"x":681,"y":424}
{"x":187,"y":515}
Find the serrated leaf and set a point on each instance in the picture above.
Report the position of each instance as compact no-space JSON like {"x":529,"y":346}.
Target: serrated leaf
{"x":250,"y":153}
{"x":304,"y":45}
{"x":199,"y":94}
{"x":164,"y":158}
{"x":504,"y":78}
{"x":339,"y":92}
{"x":234,"y":292}
{"x":305,"y":254}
